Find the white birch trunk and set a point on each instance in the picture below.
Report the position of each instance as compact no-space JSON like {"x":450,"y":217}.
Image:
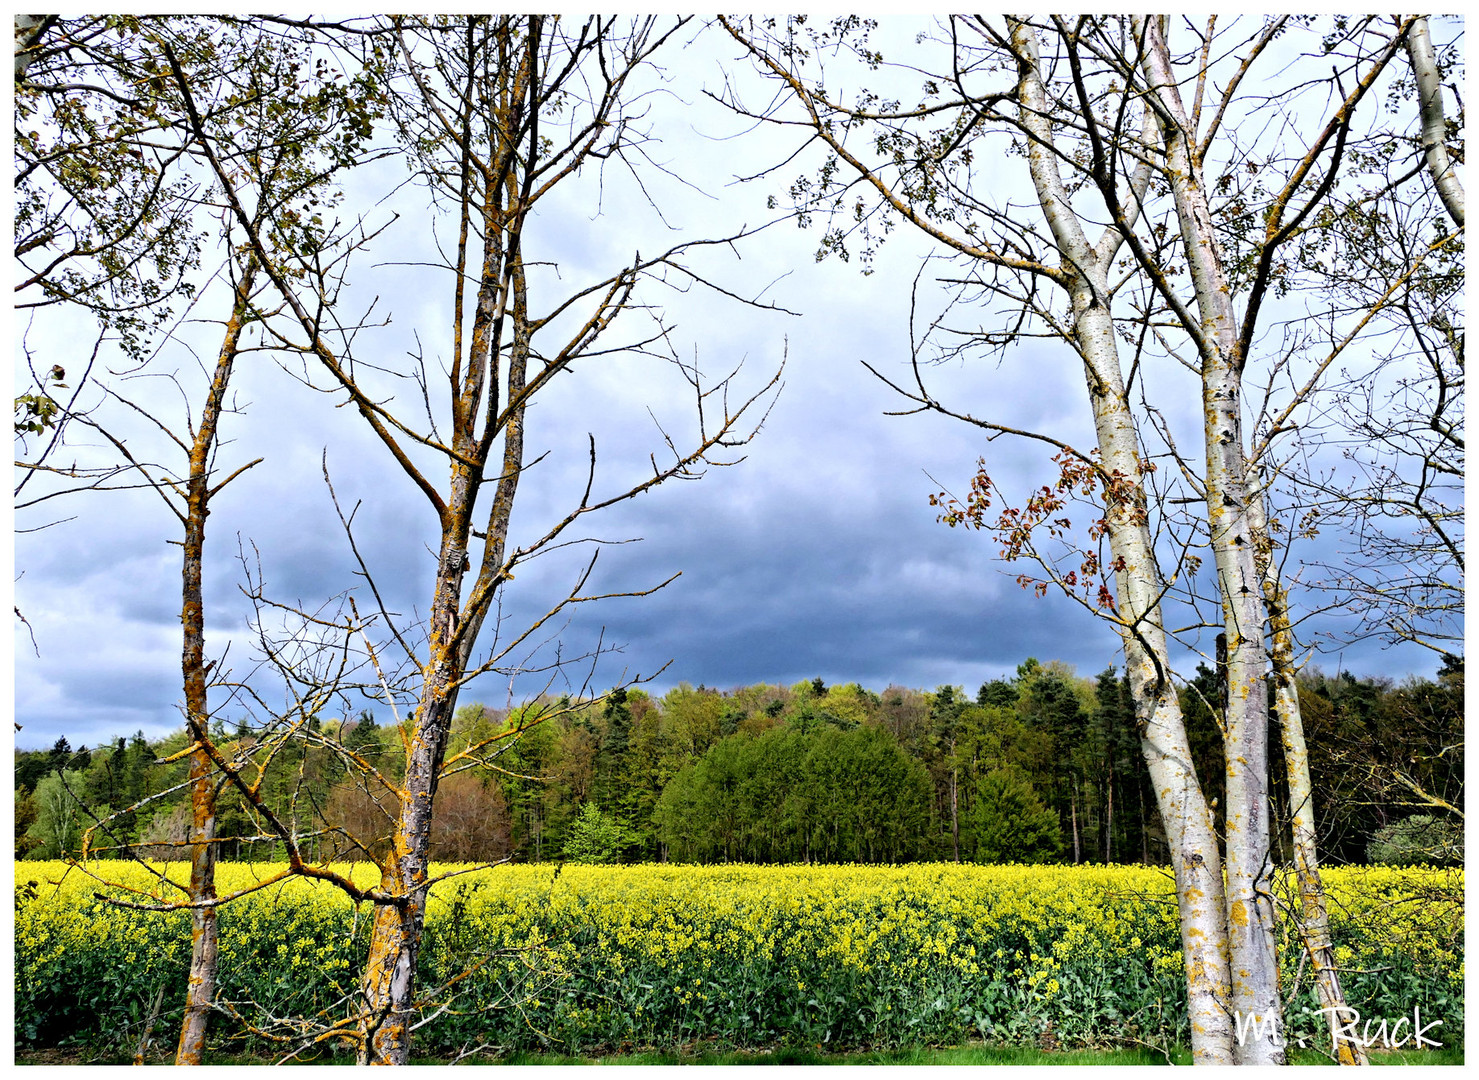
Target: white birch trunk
{"x":1193,"y":844}
{"x":28,"y":31}
{"x":1314,"y":918}
{"x":1251,"y":937}
{"x":1434,"y":129}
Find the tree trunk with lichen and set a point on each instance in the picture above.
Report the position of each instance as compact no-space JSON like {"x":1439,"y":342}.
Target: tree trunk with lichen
{"x":1255,"y":1000}
{"x":395,"y":937}
{"x":204,"y":935}
{"x":1313,"y":919}
{"x":1196,"y":861}
{"x":502,"y":309}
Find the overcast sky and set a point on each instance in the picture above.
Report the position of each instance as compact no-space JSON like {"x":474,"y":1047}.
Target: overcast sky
{"x":817,"y":556}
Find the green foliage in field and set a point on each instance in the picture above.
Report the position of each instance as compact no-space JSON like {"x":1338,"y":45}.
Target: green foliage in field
{"x":804,"y":792}
{"x":594,"y":838}
{"x":587,"y":958}
{"x":88,"y":970}
{"x":1418,"y":840}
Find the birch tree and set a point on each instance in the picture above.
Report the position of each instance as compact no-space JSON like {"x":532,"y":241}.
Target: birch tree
{"x":1080,"y":267}
{"x":1118,"y":132}
{"x":1434,"y":122}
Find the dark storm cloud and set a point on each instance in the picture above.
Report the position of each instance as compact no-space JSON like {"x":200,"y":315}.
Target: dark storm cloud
{"x":103,"y":677}
{"x":113,"y":690}
{"x":863,"y":585}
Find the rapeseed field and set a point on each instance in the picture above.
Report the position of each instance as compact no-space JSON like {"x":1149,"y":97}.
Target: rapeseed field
{"x":578,"y":958}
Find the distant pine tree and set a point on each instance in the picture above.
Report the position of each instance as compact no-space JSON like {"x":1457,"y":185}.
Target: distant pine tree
{"x":1012,"y":824}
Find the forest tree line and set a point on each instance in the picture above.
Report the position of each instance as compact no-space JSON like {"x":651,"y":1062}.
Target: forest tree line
{"x":1040,"y":767}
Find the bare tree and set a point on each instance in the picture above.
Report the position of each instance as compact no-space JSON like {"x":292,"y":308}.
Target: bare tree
{"x":199,"y":488}
{"x":277,"y":153}
{"x":498,"y":113}
{"x":1394,"y":495}
{"x":1381,"y":456}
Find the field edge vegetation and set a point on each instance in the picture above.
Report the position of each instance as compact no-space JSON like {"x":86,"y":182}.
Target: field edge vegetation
{"x":586,"y":960}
